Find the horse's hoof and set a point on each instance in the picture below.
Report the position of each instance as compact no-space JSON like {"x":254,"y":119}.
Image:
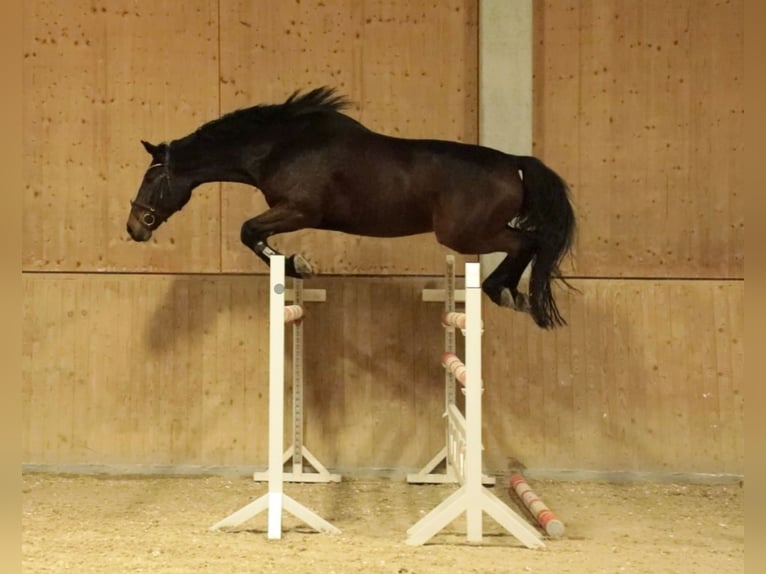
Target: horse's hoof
{"x":298,"y":267}
{"x":521,"y":303}
{"x":506,"y":299}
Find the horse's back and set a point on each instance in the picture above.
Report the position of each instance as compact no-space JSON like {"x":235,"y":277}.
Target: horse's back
{"x":424,"y":169}
{"x":368,"y":183}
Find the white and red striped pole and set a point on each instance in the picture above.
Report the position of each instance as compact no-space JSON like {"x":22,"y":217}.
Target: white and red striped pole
{"x":544,"y":516}
{"x":453,"y":364}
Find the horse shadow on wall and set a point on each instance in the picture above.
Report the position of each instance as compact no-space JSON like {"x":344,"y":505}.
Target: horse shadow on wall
{"x":387,"y":355}
{"x":371,"y":354}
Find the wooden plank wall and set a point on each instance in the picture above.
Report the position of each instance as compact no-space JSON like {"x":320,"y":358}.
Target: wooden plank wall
{"x":648,"y":376}
{"x":170,"y":369}
{"x":641,"y":105}
{"x":98,"y":77}
{"x":157,"y":354}
{"x":182,"y":380}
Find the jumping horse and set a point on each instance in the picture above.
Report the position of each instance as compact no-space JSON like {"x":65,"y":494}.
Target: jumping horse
{"x":318,"y":168}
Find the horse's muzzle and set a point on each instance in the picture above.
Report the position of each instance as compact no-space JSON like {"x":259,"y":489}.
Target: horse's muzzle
{"x":137,"y":231}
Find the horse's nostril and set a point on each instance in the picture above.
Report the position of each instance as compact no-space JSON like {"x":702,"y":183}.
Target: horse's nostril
{"x":138,"y":233}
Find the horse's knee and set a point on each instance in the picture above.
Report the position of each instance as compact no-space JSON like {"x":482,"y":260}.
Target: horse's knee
{"x":249,"y":235}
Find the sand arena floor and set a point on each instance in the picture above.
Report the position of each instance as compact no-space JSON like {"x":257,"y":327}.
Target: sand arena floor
{"x":89,"y":524}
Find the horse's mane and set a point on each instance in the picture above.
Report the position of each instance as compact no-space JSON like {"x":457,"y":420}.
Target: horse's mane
{"x":318,"y":99}
{"x":241,"y":123}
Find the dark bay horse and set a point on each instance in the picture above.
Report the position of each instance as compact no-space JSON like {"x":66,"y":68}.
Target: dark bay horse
{"x":320,"y":169}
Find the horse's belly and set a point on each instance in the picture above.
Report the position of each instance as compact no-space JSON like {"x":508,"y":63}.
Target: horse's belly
{"x":378,"y":222}
{"x":383,"y":229}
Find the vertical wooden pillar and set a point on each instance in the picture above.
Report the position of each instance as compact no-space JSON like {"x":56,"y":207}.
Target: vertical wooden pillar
{"x":505,"y":83}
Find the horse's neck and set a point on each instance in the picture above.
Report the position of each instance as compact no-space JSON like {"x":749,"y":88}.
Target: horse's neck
{"x":203,"y":164}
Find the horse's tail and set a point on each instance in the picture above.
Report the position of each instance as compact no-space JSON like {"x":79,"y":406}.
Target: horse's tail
{"x":547,"y":213}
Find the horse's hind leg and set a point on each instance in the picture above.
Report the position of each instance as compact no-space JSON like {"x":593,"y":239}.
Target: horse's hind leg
{"x":257,"y":230}
{"x":502,"y":284}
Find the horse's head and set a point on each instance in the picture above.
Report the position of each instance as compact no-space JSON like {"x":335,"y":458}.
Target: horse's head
{"x":161,"y":194}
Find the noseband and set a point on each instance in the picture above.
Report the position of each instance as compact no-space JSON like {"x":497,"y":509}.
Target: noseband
{"x":154,"y":216}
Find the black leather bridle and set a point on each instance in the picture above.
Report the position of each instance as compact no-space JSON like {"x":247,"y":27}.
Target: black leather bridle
{"x":154,"y":216}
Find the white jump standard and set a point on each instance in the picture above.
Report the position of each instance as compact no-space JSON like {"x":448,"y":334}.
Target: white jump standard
{"x":275,"y":500}
{"x":451,"y":320}
{"x":298,"y":454}
{"x":472,"y":498}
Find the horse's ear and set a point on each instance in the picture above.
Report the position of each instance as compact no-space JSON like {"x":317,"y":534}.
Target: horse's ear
{"x":152,"y":149}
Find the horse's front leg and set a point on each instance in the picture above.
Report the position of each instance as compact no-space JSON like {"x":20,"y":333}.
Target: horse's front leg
{"x":257,"y":230}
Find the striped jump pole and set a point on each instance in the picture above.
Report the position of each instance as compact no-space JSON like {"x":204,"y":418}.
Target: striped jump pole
{"x":454,"y":319}
{"x":293,"y":313}
{"x":275,"y":501}
{"x":543,"y":515}
{"x":454,"y":365}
